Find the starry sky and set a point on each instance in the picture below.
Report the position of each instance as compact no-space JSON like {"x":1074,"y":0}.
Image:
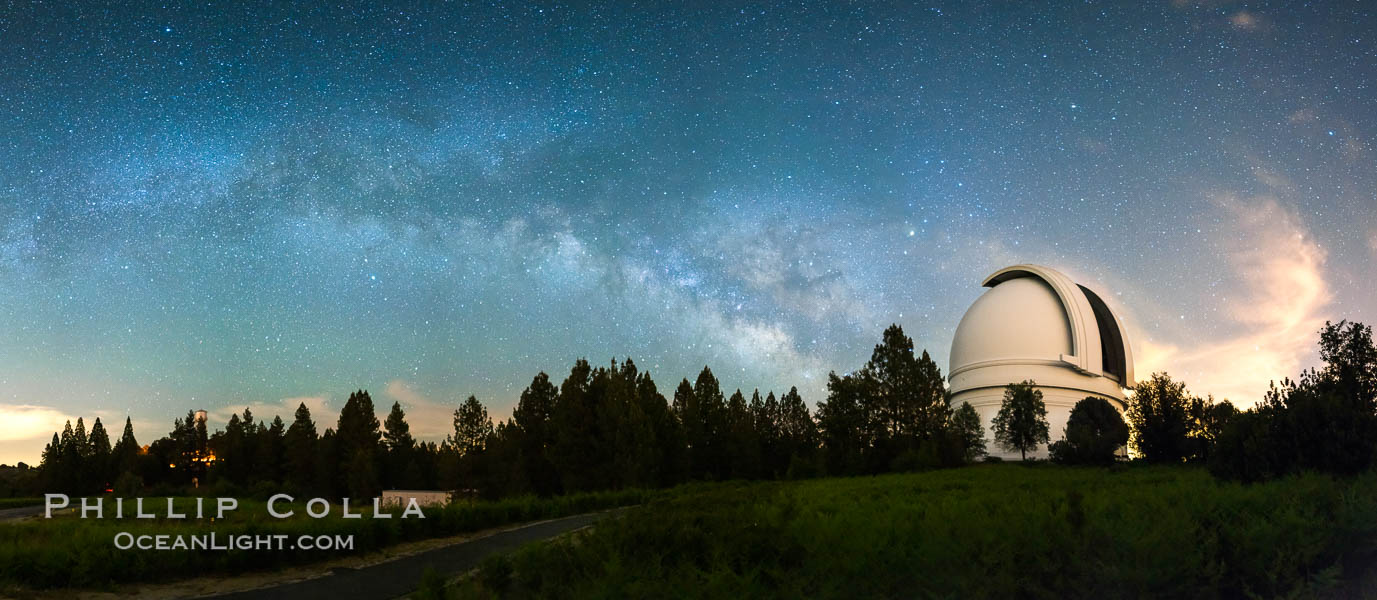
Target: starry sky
{"x":228,"y":205}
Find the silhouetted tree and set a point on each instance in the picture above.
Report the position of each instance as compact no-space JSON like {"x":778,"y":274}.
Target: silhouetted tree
{"x":965,"y":425}
{"x":1159,"y":415}
{"x":742,"y":446}
{"x":125,"y":455}
{"x":402,"y":471}
{"x":1207,"y":421}
{"x":98,"y":467}
{"x":531,"y":418}
{"x":299,"y":447}
{"x":1094,"y":433}
{"x":1022,"y":420}
{"x":357,"y":440}
{"x":1326,"y":421}
{"x":667,"y":437}
{"x":842,"y":423}
{"x":270,"y":447}
{"x":472,"y":427}
{"x":396,"y":432}
{"x":798,"y":435}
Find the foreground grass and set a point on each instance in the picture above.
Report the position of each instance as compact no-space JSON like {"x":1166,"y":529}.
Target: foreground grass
{"x":989,"y":531}
{"x":71,"y":552}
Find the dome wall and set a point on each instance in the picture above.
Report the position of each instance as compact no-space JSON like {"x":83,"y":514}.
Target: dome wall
{"x":1034,"y":323}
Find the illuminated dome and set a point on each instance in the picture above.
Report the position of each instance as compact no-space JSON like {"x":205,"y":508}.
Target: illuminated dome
{"x":1036,"y":323}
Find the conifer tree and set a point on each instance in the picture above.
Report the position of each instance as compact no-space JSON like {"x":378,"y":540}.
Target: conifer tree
{"x":98,"y":462}
{"x":400,"y":446}
{"x":742,"y":447}
{"x":299,"y":445}
{"x":125,"y":455}
{"x":357,"y":441}
{"x":472,"y":427}
{"x":799,"y":434}
{"x":397,"y":433}
{"x":531,"y":420}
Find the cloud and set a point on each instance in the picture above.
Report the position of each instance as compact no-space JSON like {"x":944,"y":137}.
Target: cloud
{"x":28,"y":422}
{"x":429,"y":420}
{"x":1271,"y":321}
{"x":319,"y":406}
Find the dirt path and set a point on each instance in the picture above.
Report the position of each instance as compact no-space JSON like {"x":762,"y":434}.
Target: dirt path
{"x":21,"y":512}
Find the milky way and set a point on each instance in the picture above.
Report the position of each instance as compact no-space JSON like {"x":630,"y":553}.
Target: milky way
{"x":214,"y":207}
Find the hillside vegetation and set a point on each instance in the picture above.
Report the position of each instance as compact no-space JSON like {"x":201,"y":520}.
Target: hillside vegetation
{"x":996,"y":531}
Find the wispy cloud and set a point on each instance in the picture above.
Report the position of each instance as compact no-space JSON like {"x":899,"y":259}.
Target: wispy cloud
{"x":1278,"y":269}
{"x":27,"y":422}
{"x":429,"y":419}
{"x":321,"y":412}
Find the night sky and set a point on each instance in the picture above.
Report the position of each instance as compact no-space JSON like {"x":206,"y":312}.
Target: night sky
{"x":231,"y":205}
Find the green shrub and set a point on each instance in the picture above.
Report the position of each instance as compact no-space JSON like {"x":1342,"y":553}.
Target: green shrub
{"x":980,"y":532}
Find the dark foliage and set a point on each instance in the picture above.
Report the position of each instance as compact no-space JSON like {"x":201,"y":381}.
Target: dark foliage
{"x":1094,"y":434}
{"x":1326,"y":421}
{"x":1022,"y":420}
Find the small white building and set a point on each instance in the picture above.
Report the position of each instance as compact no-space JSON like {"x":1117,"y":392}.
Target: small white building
{"x":1036,"y":323}
{"x":401,"y":498}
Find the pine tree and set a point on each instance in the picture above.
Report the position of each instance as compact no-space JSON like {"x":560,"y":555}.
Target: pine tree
{"x":965,"y":425}
{"x":798,"y":434}
{"x":582,"y":439}
{"x":299,"y":446}
{"x":268,"y":452}
{"x":400,"y":447}
{"x":628,"y":432}
{"x":668,"y":437}
{"x":125,"y":455}
{"x":98,"y":468}
{"x":357,"y":440}
{"x":473,"y":430}
{"x":472,"y":427}
{"x":765,"y":422}
{"x":742,"y":445}
{"x":531,"y":420}
{"x":706,"y":428}
{"x":83,"y":445}
{"x":397,"y":434}
{"x":844,"y":426}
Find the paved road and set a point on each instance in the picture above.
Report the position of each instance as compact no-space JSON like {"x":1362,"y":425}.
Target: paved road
{"x":398,"y":577}
{"x":21,"y":512}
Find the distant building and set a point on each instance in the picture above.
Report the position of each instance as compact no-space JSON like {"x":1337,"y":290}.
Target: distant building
{"x":1036,"y":323}
{"x":201,"y":416}
{"x":401,"y":498}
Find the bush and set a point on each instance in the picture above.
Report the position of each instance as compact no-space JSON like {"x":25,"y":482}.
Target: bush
{"x":1094,"y":434}
{"x":1325,"y":422}
{"x":987,"y":532}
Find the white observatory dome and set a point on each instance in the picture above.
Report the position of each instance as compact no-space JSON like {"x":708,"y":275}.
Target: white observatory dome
{"x":1035,"y":323}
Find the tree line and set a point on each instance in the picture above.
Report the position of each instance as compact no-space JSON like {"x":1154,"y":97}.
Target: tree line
{"x":1326,"y":421}
{"x":610,"y":427}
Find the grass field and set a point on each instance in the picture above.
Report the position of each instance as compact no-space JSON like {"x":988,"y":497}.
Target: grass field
{"x":991,"y":531}
{"x":70,"y":552}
